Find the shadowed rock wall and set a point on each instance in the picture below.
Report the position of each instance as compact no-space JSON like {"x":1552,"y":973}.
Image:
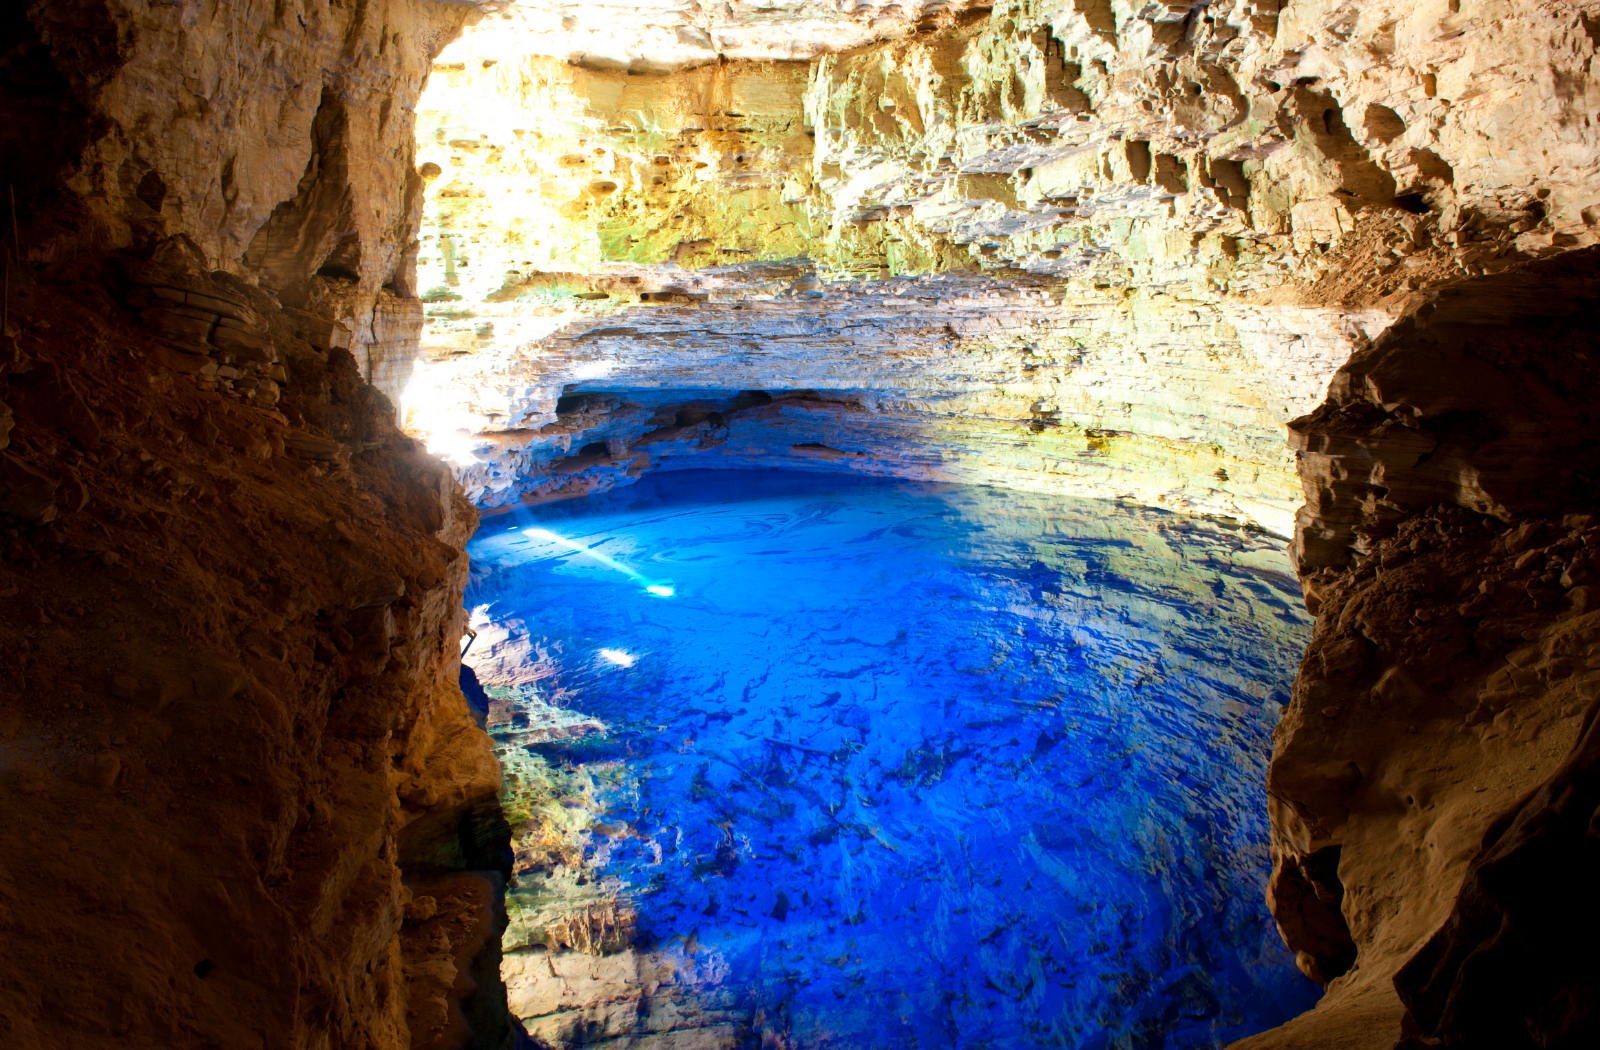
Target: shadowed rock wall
{"x":1427,"y":757}
{"x":1500,"y":970}
{"x":277,"y":137}
{"x":233,"y":750}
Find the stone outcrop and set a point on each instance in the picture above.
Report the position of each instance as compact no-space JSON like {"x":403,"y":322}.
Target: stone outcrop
{"x":1501,"y":969}
{"x":232,"y":743}
{"x":285,"y":153}
{"x":1197,"y":211}
{"x":1445,"y":546}
{"x":1227,"y":142}
{"x":666,"y":37}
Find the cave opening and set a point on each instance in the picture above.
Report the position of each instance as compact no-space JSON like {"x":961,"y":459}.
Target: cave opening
{"x":898,"y":764}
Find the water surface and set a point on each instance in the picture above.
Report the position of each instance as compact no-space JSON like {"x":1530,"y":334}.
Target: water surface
{"x":813,"y":761}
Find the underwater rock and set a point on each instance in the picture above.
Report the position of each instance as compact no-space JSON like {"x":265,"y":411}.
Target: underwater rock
{"x":897,"y":763}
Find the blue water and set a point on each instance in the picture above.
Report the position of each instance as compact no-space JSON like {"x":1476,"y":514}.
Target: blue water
{"x":890,"y":764}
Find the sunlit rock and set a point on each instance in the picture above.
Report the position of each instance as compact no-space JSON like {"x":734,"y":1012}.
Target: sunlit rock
{"x":1184,"y":221}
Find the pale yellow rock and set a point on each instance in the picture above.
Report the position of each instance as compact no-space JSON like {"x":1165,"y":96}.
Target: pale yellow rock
{"x":1164,"y":183}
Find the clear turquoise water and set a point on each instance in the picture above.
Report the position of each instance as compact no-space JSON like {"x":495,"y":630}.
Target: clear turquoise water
{"x":919,"y":766}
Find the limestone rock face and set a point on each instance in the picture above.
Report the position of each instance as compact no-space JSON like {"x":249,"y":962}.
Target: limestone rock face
{"x":1526,"y":896}
{"x":230,"y":725}
{"x":278,"y":138}
{"x":1132,"y":138}
{"x":1445,"y":547}
{"x":1458,"y":403}
{"x":967,"y":379}
{"x":1189,"y":214}
{"x":231,"y":666}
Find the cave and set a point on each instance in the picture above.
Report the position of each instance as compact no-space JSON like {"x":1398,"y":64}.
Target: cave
{"x":799,"y":524}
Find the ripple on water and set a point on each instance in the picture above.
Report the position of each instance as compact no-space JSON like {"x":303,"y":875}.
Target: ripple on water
{"x":885,"y":764}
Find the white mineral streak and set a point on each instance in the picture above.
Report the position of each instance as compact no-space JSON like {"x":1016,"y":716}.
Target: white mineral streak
{"x":664,"y":36}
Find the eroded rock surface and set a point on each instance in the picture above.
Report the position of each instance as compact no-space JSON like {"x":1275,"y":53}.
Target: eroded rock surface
{"x":966,"y":379}
{"x":1445,"y":546}
{"x":224,"y":633}
{"x":661,"y":37}
{"x":230,"y":725}
{"x":1179,"y":217}
{"x":1501,"y":969}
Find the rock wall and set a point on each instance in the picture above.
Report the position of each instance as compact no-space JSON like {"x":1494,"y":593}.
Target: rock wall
{"x":233,"y":751}
{"x":1191,"y":213}
{"x":959,"y":379}
{"x":624,"y":36}
{"x":1524,"y":898}
{"x":1232,"y":142}
{"x":277,"y":137}
{"x":1427,"y":757}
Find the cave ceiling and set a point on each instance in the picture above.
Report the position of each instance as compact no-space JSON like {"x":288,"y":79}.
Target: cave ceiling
{"x":664,"y":36}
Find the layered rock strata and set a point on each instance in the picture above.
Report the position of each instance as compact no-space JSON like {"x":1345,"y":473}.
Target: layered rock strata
{"x":1150,"y":177}
{"x":285,"y":152}
{"x":232,"y":743}
{"x":665,"y":37}
{"x":1427,"y":756}
{"x":1167,"y":401}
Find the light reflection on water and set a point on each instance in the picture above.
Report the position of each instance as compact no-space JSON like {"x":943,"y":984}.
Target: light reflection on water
{"x":896,"y":765}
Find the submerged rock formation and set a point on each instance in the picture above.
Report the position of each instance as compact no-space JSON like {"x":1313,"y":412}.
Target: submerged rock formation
{"x":1097,"y":248}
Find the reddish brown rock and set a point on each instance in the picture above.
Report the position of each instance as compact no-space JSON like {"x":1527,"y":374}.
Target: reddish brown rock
{"x":223,"y":708}
{"x":1509,"y":967}
{"x":1445,"y":547}
{"x":230,"y":594}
